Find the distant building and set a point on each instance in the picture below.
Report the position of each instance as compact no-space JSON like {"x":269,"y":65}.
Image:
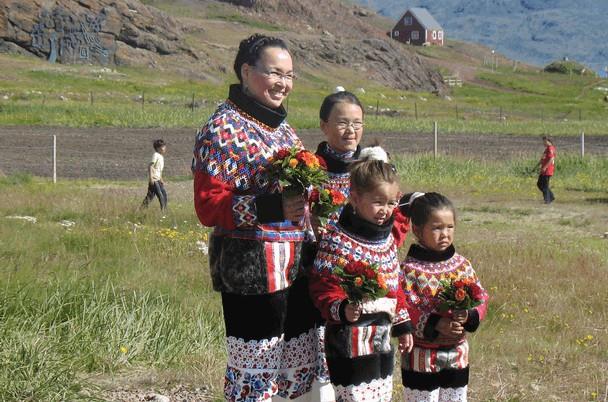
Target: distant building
{"x":418,"y":27}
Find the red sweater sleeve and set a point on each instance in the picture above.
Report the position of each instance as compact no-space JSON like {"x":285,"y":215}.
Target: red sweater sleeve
{"x":327,"y":295}
{"x":213,"y":201}
{"x":401,"y":227}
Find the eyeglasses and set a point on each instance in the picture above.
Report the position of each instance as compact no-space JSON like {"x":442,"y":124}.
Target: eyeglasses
{"x":276,"y":76}
{"x":343,"y":125}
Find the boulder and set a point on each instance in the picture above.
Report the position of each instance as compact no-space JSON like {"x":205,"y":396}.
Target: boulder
{"x":87,"y":31}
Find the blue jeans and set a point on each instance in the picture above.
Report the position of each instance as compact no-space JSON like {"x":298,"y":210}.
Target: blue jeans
{"x":543,"y":185}
{"x":156,"y":189}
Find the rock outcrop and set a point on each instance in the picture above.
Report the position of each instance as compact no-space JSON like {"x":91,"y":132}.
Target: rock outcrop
{"x":88,"y":31}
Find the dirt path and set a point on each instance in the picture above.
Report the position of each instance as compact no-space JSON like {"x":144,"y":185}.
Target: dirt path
{"x":119,"y":153}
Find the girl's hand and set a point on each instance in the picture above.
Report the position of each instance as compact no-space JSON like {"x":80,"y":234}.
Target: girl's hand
{"x":461,"y":316}
{"x":449,"y":328}
{"x":352,"y":312}
{"x":293,"y":207}
{"x":406,"y":343}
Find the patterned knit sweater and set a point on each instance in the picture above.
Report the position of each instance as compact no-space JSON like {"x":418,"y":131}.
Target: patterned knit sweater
{"x":423,"y":270}
{"x":353,"y":239}
{"x":231,"y":190}
{"x":253,"y":250}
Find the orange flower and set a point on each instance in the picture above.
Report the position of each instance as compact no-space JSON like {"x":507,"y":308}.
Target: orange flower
{"x":337,"y":198}
{"x":460,"y":294}
{"x":308,"y":158}
{"x":293,"y":163}
{"x":381,"y":281}
{"x":358,"y":281}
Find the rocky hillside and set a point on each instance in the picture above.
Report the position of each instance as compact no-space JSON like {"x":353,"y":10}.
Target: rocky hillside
{"x":200,"y":39}
{"x":92,"y":31}
{"x":340,"y":33}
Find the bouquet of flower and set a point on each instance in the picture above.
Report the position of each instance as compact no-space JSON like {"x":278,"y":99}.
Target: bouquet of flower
{"x":361,"y":281}
{"x":326,"y":202}
{"x":462,"y":294}
{"x":297,"y":170}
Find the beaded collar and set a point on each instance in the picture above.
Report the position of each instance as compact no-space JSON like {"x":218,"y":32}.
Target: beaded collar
{"x":254,"y":109}
{"x":336,"y":162}
{"x":424,"y":254}
{"x":363,"y":229}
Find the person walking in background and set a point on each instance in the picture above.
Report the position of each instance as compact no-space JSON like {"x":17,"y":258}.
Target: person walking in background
{"x":255,"y":247}
{"x":547,"y":168}
{"x":156,"y":185}
{"x":437,"y":368}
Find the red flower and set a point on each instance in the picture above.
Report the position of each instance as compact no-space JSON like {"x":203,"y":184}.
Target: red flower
{"x":314,"y":195}
{"x":459,"y":283}
{"x":369,"y":273}
{"x":337,"y":198}
{"x":322,"y":162}
{"x":358,"y":281}
{"x":460,"y":294}
{"x":282,"y":154}
{"x":476,"y":291}
{"x":355,"y":268}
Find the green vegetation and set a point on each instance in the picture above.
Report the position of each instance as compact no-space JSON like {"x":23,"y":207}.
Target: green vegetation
{"x":568,"y":67}
{"x":124,"y":291}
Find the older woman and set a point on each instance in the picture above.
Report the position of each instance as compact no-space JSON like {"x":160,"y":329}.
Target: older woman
{"x":256,"y":243}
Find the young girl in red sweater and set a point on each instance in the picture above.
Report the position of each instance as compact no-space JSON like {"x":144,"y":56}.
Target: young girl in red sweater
{"x":437,"y":369}
{"x":359,"y":354}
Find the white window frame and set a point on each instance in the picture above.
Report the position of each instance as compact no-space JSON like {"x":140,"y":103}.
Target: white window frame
{"x":395,"y":33}
{"x":434,"y":35}
{"x":415,"y":35}
{"x":440,"y":35}
{"x":408,"y":20}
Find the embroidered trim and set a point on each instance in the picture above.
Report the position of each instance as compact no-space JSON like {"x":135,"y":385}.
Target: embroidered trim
{"x":334,"y":310}
{"x":243,"y":210}
{"x":378,"y":390}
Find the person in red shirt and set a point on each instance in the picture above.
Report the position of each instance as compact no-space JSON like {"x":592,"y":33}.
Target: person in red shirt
{"x":547,"y":167}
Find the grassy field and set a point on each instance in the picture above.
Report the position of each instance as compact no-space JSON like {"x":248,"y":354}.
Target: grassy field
{"x":125,"y":293}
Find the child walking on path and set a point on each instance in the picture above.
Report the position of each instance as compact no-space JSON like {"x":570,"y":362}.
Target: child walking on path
{"x":156,"y":185}
{"x":437,"y":369}
{"x":359,"y":354}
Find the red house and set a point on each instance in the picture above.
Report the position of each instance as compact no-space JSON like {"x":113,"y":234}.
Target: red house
{"x":418,"y":27}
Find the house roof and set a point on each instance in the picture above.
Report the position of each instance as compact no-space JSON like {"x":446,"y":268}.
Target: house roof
{"x":424,"y":18}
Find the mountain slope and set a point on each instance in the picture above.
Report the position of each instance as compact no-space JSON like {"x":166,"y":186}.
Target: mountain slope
{"x":537,"y":31}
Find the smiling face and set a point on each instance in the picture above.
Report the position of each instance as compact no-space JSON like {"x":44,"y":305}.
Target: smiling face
{"x":344,"y":127}
{"x":267,"y":81}
{"x":376,"y":206}
{"x":437,"y":233}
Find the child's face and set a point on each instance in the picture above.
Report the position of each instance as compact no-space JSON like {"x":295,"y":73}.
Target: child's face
{"x":438,"y":232}
{"x":344,"y":127}
{"x":162,"y":150}
{"x":376,"y":206}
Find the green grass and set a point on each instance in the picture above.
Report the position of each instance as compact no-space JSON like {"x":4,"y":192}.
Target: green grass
{"x":125,"y":291}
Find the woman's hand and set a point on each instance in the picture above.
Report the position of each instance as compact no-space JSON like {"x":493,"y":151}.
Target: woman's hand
{"x":352,"y":312}
{"x":293,"y":207}
{"x":449,"y":328}
{"x":406,"y":343}
{"x":461,"y":316}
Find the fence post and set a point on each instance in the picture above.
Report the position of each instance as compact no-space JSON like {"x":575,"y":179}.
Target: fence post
{"x":500,"y":118}
{"x":91,"y":97}
{"x":377,"y":107}
{"x":582,"y":144}
{"x":580,"y":115}
{"x":456,"y":112}
{"x":192,"y":104}
{"x":54,"y":159}
{"x":435,"y":144}
{"x":143,"y":100}
{"x":416,"y":110}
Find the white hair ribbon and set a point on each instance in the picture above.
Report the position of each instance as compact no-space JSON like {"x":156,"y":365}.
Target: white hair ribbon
{"x":412,"y":198}
{"x":374,"y":153}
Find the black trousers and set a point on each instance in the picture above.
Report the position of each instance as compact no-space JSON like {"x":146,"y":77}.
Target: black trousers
{"x":543,"y":185}
{"x":156,"y":189}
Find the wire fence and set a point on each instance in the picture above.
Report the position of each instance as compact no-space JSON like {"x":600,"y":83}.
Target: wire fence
{"x":114,"y":153}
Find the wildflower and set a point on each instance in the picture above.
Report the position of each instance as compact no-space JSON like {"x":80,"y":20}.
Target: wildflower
{"x":293,"y":163}
{"x":124,"y":350}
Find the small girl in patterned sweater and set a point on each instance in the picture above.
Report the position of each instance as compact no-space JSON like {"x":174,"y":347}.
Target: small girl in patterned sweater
{"x":437,"y":368}
{"x":359,"y":354}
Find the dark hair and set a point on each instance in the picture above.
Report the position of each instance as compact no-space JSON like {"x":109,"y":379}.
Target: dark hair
{"x":251,"y":48}
{"x":339,"y":97}
{"x":420,"y":209}
{"x":547,"y":138}
{"x":158,"y":144}
{"x":366,"y":174}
